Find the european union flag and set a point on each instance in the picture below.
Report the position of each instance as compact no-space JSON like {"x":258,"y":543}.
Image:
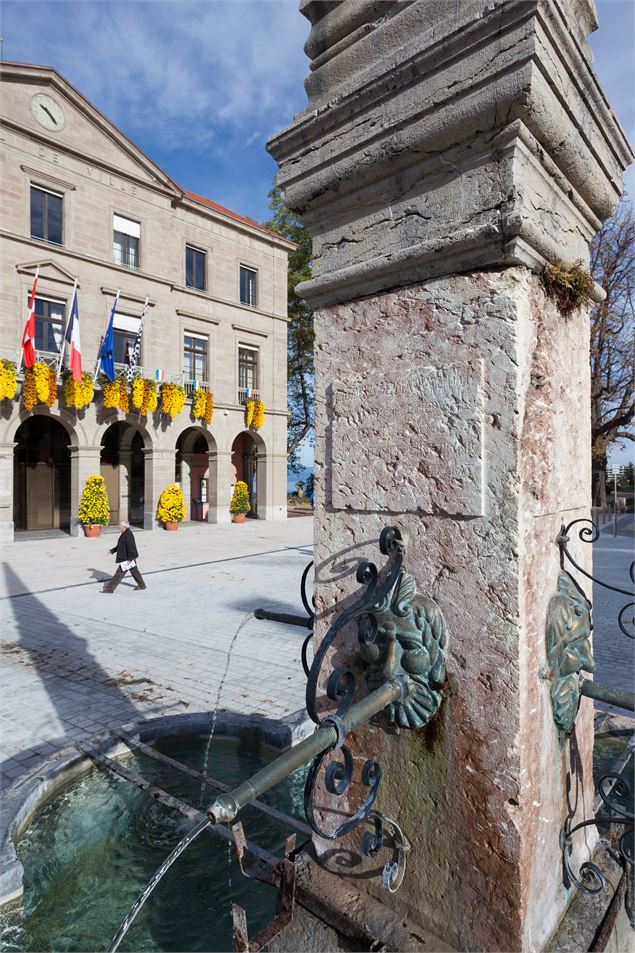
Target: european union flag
{"x":107,"y":352}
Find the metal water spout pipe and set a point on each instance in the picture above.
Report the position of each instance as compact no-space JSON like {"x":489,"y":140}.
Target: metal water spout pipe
{"x":330,"y":734}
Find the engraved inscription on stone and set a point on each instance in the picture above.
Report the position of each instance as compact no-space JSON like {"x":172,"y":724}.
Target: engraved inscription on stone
{"x":411,"y":443}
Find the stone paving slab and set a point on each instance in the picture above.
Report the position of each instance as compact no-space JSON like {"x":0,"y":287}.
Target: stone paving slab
{"x":74,"y":661}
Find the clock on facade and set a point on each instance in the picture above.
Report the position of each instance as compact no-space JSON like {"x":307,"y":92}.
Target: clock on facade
{"x":47,"y":112}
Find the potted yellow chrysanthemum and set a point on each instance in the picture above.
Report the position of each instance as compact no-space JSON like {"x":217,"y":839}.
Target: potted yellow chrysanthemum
{"x":240,"y":505}
{"x":94,"y":511}
{"x":171,"y":508}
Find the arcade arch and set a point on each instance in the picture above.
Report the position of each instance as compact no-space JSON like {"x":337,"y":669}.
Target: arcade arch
{"x":42,"y":475}
{"x":192,"y":472}
{"x":248,"y":456}
{"x":122,"y":465}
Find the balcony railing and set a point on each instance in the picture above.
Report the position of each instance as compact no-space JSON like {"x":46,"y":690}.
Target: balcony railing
{"x":242,"y":394}
{"x":188,"y":384}
{"x":149,"y":373}
{"x":44,"y":357}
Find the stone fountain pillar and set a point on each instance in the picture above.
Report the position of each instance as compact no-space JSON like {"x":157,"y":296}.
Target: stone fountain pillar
{"x":447,"y":153}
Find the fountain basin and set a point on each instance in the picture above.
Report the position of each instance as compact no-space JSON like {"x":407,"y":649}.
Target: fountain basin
{"x":87,"y":841}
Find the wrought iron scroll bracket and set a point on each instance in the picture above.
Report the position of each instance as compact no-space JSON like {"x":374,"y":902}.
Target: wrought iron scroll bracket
{"x":591,"y":878}
{"x":402,"y":638}
{"x":590,"y":533}
{"x":568,"y":634}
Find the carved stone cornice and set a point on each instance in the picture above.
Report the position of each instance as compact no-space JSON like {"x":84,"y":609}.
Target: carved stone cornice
{"x":441,"y":138}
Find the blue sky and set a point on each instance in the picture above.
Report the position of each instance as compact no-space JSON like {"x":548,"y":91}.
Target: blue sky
{"x":200,"y":84}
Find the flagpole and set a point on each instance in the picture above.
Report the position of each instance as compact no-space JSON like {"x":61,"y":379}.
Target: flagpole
{"x":137,"y":344}
{"x":98,"y":361}
{"x":31,"y":303}
{"x":59,"y":363}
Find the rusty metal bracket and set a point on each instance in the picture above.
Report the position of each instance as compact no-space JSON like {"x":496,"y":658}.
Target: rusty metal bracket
{"x":285,"y":875}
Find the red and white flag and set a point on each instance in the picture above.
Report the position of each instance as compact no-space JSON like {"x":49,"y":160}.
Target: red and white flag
{"x":72,"y":338}
{"x":28,"y":338}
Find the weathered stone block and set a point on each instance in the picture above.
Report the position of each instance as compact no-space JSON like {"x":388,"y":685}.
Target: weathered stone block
{"x":433,"y":464}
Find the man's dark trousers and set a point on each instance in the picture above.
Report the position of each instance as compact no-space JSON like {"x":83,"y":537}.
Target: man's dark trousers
{"x":112,"y":584}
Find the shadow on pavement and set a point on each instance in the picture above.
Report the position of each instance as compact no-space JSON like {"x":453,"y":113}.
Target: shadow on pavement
{"x":85,"y":696}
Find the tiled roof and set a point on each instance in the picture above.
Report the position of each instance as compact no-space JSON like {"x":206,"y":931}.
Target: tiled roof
{"x":226,"y":211}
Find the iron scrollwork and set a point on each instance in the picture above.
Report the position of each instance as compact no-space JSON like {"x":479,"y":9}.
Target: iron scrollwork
{"x":402,"y":635}
{"x":591,"y":878}
{"x":589,"y":533}
{"x":569,"y":628}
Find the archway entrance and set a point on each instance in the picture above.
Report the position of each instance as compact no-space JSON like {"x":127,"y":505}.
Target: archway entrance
{"x":42,"y":475}
{"x":122,"y":466}
{"x":192,"y":472}
{"x":248,"y":462}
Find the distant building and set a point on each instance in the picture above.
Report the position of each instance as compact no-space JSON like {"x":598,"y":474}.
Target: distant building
{"x":81,"y":201}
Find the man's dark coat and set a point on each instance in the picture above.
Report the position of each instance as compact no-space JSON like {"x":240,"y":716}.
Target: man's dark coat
{"x":126,"y":548}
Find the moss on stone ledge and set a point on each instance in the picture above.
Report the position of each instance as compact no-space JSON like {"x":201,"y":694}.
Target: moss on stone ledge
{"x":570,"y":287}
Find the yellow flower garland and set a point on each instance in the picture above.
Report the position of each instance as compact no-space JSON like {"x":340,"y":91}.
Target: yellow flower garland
{"x":209,"y":407}
{"x":40,"y":386}
{"x":150,"y":398}
{"x":172,"y":399}
{"x":115,"y":393}
{"x":78,"y":395}
{"x":137,"y":392}
{"x":8,"y":380}
{"x":259,"y":415}
{"x":29,"y":392}
{"x":52,"y":390}
{"x":110,"y":390}
{"x":203,"y":405}
{"x":124,"y":403}
{"x":254,"y":413}
{"x":41,"y":375}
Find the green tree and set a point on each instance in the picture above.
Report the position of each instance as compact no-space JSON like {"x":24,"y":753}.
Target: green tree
{"x":301,"y":338}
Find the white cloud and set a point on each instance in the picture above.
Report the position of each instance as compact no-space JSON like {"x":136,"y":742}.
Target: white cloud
{"x":179,"y":71}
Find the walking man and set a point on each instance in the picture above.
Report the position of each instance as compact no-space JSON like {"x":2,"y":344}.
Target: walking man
{"x":126,"y":555}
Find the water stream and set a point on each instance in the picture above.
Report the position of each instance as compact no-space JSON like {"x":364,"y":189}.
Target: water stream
{"x":214,"y":714}
{"x":128,"y":920}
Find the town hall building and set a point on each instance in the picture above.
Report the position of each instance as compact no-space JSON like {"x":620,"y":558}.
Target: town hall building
{"x":83,"y":206}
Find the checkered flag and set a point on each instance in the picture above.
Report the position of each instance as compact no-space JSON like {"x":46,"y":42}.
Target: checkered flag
{"x":136,"y":350}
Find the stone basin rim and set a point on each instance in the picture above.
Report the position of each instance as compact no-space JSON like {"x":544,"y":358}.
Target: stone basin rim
{"x":28,"y":793}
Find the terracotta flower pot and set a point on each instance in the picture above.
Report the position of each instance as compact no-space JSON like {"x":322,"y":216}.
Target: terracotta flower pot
{"x":92,"y":531}
{"x":239,"y":517}
{"x":171,"y":525}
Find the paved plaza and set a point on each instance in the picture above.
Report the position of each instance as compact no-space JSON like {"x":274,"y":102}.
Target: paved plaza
{"x":74,"y":661}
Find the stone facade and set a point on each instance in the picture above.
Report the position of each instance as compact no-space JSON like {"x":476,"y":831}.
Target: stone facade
{"x":447,"y":153}
{"x":101,"y":174}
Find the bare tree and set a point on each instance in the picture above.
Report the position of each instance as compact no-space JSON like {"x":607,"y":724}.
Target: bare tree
{"x":612,"y":341}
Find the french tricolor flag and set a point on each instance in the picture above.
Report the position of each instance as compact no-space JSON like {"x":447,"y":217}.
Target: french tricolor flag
{"x":72,"y":338}
{"x":159,"y":374}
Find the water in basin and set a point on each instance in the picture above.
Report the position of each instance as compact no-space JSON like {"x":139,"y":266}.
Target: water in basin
{"x":92,"y":848}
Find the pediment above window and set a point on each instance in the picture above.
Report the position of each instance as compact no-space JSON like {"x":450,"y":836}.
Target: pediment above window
{"x":48,"y":271}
